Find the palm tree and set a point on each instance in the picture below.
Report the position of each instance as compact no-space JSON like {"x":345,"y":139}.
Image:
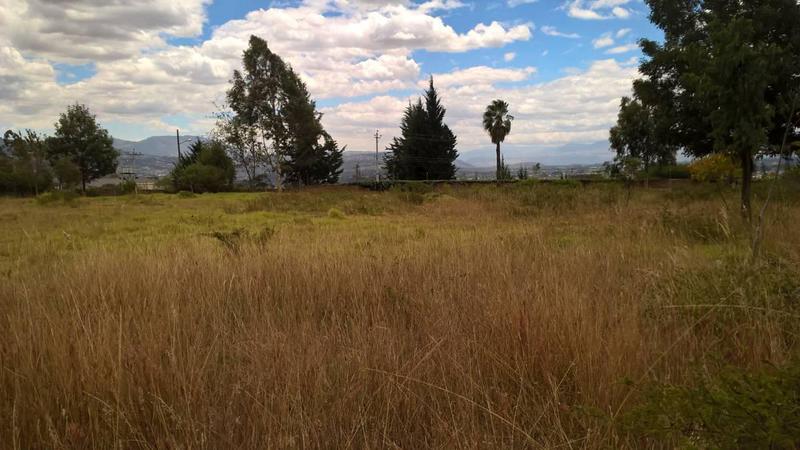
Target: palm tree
{"x":497,"y":122}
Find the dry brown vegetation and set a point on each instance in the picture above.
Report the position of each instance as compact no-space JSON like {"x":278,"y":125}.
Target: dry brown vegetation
{"x":491,"y":317}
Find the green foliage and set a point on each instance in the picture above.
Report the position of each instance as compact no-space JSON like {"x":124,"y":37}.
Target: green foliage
{"x":636,"y":135}
{"x":504,"y":172}
{"x":66,"y":172}
{"x":522,"y":173}
{"x":275,"y":121}
{"x":669,"y":171}
{"x":427,"y":148}
{"x":56,"y":197}
{"x":737,"y":409}
{"x":724,"y":79}
{"x":335,"y":213}
{"x":80,"y":139}
{"x":23,"y":164}
{"x":717,"y":167}
{"x":497,"y":122}
{"x":126,"y":187}
{"x":205,"y":168}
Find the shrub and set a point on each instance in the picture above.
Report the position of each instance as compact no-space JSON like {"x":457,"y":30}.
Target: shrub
{"x":56,"y":196}
{"x":335,"y":213}
{"x":736,"y":409}
{"x":715,"y":167}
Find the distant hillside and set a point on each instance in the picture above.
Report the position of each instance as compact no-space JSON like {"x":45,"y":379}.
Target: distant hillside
{"x":155,"y":145}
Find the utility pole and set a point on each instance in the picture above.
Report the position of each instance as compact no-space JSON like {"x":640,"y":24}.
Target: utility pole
{"x":131,"y":173}
{"x":178,"y":140}
{"x":377,"y":165}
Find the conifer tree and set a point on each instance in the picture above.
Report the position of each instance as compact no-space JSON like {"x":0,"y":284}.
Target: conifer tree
{"x":426,"y":149}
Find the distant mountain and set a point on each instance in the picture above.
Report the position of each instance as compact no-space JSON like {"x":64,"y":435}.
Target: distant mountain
{"x":159,"y":155}
{"x":155,"y":145}
{"x":361,"y":165}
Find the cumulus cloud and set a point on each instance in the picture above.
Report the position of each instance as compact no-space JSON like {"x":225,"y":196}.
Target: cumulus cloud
{"x":91,"y":30}
{"x":597,"y":9}
{"x":366,"y":49}
{"x":577,"y":108}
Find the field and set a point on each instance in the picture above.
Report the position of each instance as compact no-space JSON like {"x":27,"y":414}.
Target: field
{"x":525,"y":316}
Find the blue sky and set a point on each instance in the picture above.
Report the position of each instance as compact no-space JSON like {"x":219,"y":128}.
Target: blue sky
{"x":150,"y":66}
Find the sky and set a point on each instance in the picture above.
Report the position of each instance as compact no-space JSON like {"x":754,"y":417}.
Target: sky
{"x":149,"y":67}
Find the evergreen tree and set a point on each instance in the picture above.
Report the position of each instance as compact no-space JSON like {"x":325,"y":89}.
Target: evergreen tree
{"x":79,"y":138}
{"x":206,"y":167}
{"x":426,"y":149}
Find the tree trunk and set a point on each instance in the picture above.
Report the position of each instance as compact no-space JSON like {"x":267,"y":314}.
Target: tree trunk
{"x":747,"y":184}
{"x":498,"y":162}
{"x":83,"y":185}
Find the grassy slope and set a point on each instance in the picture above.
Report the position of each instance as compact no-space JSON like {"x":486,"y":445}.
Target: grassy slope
{"x":470,"y":317}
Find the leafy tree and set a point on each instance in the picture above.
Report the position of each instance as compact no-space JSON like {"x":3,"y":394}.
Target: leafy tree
{"x":274,"y":120}
{"x":206,"y":167}
{"x":67,"y":173}
{"x":23,"y":163}
{"x":497,"y":122}
{"x":724,"y":78}
{"x":79,"y":138}
{"x":635,"y":135}
{"x":426,"y":149}
{"x":522,"y":173}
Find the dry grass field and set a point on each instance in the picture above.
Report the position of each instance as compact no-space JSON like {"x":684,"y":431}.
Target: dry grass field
{"x":528,"y":316}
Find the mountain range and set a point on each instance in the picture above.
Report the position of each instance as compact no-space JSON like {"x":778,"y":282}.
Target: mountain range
{"x":157,"y":155}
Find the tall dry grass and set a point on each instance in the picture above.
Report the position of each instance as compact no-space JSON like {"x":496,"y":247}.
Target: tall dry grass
{"x":477,"y":319}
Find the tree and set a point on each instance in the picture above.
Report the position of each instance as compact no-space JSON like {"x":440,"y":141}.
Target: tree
{"x":426,"y":149}
{"x":79,"y":138}
{"x":724,"y":78}
{"x":274,"y":120}
{"x":67,"y":173}
{"x":206,"y":167}
{"x":23,"y":163}
{"x":497,"y":122}
{"x":635,"y":135}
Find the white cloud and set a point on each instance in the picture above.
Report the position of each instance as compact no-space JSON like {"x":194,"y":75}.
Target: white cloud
{"x":622,"y":49}
{"x":510,"y":56}
{"x":515,"y":3}
{"x":552,"y":31}
{"x":577,"y":108}
{"x":603,"y":41}
{"x":366,"y":49}
{"x":91,"y":30}
{"x":623,"y":32}
{"x":597,"y":9}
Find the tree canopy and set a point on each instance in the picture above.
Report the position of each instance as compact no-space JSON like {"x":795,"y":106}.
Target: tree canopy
{"x":426,"y":149}
{"x":80,"y":139}
{"x":724,"y":79}
{"x":497,"y":122}
{"x":274,"y":121}
{"x":204,"y":168}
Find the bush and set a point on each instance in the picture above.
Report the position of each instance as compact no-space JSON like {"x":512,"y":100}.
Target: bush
{"x":736,"y":409}
{"x":206,"y":168}
{"x":56,"y":196}
{"x":126,"y":187}
{"x":334,"y":213}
